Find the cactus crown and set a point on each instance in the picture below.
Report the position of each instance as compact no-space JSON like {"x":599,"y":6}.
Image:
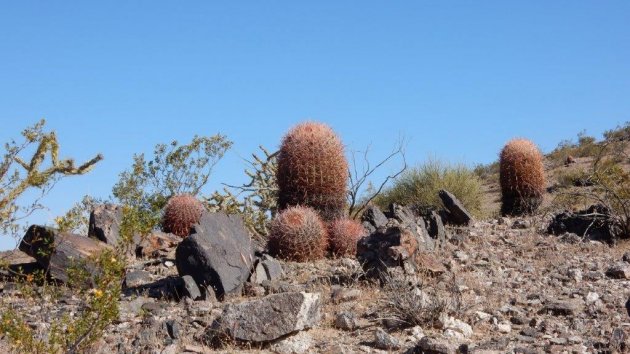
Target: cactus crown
{"x":312,"y":170}
{"x":298,"y":234}
{"x":522,"y":177}
{"x":180,"y":214}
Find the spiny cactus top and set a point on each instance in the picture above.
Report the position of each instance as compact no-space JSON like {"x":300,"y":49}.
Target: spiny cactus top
{"x":312,"y":170}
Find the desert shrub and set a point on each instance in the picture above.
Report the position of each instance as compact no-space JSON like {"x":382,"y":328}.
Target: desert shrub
{"x":256,"y":201}
{"x":174,"y":169}
{"x":574,"y":177}
{"x":586,"y":146}
{"x":40,"y":172}
{"x":180,"y":214}
{"x":312,"y":170}
{"x":620,"y":133}
{"x":522,"y":177}
{"x":488,"y":173}
{"x":298,"y":234}
{"x":419,"y":186}
{"x":343,"y":235}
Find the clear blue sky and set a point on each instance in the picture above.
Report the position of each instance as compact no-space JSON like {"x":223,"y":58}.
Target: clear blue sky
{"x":457,"y":78}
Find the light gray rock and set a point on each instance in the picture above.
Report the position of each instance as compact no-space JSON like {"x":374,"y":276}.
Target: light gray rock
{"x":190,"y":288}
{"x":269,"y":318}
{"x":385,"y":341}
{"x":346,"y":321}
{"x":299,"y":343}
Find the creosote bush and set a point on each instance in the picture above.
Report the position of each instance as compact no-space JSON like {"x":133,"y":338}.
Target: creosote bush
{"x":343,"y":235}
{"x":180,"y":214}
{"x":298,"y":234}
{"x":419,"y":186}
{"x":312,"y":170}
{"x":522,"y":177}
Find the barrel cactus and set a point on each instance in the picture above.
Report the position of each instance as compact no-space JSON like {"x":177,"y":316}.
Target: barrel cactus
{"x":180,"y":214}
{"x":522,"y":177}
{"x":298,"y":234}
{"x":343,"y":235}
{"x":312,"y":170}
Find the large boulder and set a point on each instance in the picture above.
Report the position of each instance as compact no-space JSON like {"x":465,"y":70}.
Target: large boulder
{"x":269,"y":318}
{"x":374,"y":217}
{"x":105,"y":222}
{"x":217,"y":254}
{"x":59,"y":252}
{"x":455,"y":211}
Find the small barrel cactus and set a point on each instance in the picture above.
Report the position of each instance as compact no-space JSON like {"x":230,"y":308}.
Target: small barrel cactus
{"x":343,"y":235}
{"x":298,"y":234}
{"x":180,"y":214}
{"x":312,"y":170}
{"x":522,"y":177}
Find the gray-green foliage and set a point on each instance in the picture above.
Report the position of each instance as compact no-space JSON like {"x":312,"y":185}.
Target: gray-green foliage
{"x":173,"y":169}
{"x":419,"y":186}
{"x":255,"y":201}
{"x":40,"y":171}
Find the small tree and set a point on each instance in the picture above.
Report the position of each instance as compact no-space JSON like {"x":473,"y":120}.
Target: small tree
{"x":19,"y":174}
{"x":174,"y":169}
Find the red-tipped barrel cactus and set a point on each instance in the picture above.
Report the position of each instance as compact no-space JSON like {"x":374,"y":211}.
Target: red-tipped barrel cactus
{"x":343,"y":235}
{"x":522,"y":177}
{"x":180,"y":214}
{"x":312,"y":170}
{"x":298,"y":234}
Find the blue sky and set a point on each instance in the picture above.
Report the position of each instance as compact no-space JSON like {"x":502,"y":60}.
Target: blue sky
{"x":457,"y":78}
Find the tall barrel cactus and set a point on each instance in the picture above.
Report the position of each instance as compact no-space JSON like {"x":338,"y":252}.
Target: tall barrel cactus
{"x":181,"y":213}
{"x":522,"y":177}
{"x":312,"y":170}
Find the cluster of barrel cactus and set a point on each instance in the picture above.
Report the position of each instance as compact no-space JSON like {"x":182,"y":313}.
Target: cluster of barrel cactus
{"x":522,"y":177}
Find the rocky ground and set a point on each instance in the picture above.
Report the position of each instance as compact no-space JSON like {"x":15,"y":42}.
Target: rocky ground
{"x":496,"y":286}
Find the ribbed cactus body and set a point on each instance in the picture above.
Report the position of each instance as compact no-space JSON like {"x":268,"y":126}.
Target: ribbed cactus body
{"x":522,"y":177}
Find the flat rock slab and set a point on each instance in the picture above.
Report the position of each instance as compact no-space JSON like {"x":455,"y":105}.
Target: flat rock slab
{"x":269,"y":318}
{"x":564,"y":307}
{"x":218,"y":253}
{"x":17,"y":262}
{"x":60,"y":252}
{"x":457,"y":213}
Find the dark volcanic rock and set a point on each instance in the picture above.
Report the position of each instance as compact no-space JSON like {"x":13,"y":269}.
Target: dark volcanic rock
{"x":16,"y":262}
{"x":269,"y":318}
{"x":218,"y":253}
{"x":60,"y":252}
{"x":594,"y":223}
{"x":374,"y":216}
{"x":105,"y":222}
{"x":436,"y":227}
{"x":457,"y":214}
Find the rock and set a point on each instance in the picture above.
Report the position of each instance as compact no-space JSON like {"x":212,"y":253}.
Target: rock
{"x":436,"y":228}
{"x":218,"y":253}
{"x":457,"y":214}
{"x":403,"y":214}
{"x":591,"y":298}
{"x":390,"y":248}
{"x":385,"y":341}
{"x":268,"y":318}
{"x":273,"y":268}
{"x":619,"y":271}
{"x":432,"y":345}
{"x":504,"y":327}
{"x":340,"y":294}
{"x":427,"y":263}
{"x":374,"y":216}
{"x":594,"y":223}
{"x":626,"y":257}
{"x":564,"y":307}
{"x":137,"y":278}
{"x":156,"y":243}
{"x":455,"y":325}
{"x":105,"y":222}
{"x":346,"y":321}
{"x":521,"y":224}
{"x":259,"y":274}
{"x":173,"y":328}
{"x":190,"y":288}
{"x":296,"y":344}
{"x":17,"y":262}
{"x":61,"y":252}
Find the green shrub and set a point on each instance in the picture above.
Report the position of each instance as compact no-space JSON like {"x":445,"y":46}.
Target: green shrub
{"x":419,"y":186}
